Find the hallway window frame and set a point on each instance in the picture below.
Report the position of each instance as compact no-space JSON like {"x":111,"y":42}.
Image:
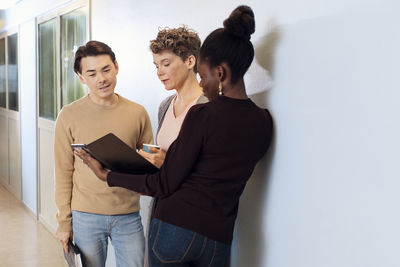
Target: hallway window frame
{"x":73,"y":33}
{"x":12,"y":71}
{"x":3,"y":78}
{"x":47,"y":69}
{"x":72,"y":29}
{"x":9,"y":68}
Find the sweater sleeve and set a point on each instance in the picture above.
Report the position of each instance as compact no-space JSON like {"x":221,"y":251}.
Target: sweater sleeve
{"x":64,"y":167}
{"x":179,"y":161}
{"x":162,"y":109}
{"x":146,"y":135}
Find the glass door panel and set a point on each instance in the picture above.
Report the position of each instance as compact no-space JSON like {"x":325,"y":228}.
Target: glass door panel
{"x":48,"y":70}
{"x":73,"y":35}
{"x":12,"y":71}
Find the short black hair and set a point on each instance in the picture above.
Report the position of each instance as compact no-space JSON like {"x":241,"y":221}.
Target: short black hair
{"x":232,"y":44}
{"x":91,"y":48}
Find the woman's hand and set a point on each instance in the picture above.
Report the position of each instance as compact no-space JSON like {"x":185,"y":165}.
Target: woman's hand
{"x":156,"y":158}
{"x":92,"y":163}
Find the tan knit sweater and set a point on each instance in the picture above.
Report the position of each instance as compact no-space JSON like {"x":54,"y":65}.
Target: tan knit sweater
{"x":76,"y":187}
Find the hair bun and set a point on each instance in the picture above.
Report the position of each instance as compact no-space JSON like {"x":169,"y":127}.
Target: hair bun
{"x":241,"y":22}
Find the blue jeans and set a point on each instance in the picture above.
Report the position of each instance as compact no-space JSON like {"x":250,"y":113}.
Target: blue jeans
{"x":173,"y":246}
{"x":91,"y":233}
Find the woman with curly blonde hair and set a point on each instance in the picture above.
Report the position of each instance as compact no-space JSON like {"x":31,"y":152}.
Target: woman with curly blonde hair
{"x":175,"y":52}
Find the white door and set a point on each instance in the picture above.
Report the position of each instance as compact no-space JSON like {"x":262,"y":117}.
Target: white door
{"x":14,"y":155}
{"x":3,"y":115}
{"x":59,"y":35}
{"x":10,"y":155}
{"x":4,"y":179}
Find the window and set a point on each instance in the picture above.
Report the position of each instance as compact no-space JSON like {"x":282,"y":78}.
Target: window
{"x":59,"y":37}
{"x":47,"y":70}
{"x":73,"y":35}
{"x":3,"y":73}
{"x":12,"y":71}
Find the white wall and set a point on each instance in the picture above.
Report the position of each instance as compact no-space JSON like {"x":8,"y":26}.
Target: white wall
{"x":27,"y":63}
{"x":333,"y":182}
{"x":328,"y":196}
{"x":325,"y":195}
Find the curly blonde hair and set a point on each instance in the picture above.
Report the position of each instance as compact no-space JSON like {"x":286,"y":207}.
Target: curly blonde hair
{"x":181,"y":41}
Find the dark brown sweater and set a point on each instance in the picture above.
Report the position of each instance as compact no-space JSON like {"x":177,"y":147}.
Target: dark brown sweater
{"x":206,"y":168}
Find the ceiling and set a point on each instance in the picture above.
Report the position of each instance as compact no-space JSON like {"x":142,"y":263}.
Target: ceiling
{"x":4,"y":4}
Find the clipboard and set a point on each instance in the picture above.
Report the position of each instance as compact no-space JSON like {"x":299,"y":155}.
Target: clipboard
{"x":117,"y":156}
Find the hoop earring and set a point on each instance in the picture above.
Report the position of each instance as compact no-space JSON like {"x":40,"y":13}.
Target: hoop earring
{"x":220,"y":89}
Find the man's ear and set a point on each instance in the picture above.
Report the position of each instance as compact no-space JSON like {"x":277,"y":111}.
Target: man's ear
{"x":116,"y":67}
{"x":190,"y":61}
{"x":81,"y":78}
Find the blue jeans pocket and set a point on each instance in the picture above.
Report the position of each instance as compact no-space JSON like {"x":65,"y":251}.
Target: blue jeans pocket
{"x":170,"y":243}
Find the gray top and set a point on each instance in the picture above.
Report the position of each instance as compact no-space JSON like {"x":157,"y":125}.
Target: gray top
{"x":162,"y":109}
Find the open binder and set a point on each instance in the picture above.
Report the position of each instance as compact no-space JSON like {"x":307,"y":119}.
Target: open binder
{"x":117,"y":156}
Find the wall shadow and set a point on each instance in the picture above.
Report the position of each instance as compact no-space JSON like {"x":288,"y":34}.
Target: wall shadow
{"x":265,"y":49}
{"x":250,"y":245}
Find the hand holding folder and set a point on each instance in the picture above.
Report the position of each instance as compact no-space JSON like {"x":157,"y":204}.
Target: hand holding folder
{"x":117,"y":156}
{"x":73,"y":257}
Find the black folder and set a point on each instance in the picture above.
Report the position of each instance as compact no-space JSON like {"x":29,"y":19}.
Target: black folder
{"x":73,"y":257}
{"x":117,"y":156}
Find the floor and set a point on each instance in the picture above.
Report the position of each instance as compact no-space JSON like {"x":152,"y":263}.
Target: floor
{"x":23,"y":240}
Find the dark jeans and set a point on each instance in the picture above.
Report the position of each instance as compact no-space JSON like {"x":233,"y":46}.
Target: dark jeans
{"x":173,"y":246}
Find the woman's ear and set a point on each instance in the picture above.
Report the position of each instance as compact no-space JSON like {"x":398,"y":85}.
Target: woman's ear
{"x":223,"y":72}
{"x":220,"y":73}
{"x":190,"y":61}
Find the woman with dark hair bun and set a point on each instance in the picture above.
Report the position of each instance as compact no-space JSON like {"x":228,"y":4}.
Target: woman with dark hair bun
{"x":231,"y":45}
{"x":206,"y":168}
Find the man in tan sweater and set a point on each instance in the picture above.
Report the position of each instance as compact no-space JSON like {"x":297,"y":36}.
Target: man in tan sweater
{"x":89,"y":211}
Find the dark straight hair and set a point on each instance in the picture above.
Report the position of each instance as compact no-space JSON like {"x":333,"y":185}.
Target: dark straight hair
{"x":91,"y":48}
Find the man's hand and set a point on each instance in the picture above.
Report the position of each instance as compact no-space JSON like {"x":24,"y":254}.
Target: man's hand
{"x":63,"y":237}
{"x":156,"y":158}
{"x":92,"y":163}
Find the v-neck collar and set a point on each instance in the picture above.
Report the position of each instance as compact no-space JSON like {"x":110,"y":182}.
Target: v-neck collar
{"x":186,"y":109}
